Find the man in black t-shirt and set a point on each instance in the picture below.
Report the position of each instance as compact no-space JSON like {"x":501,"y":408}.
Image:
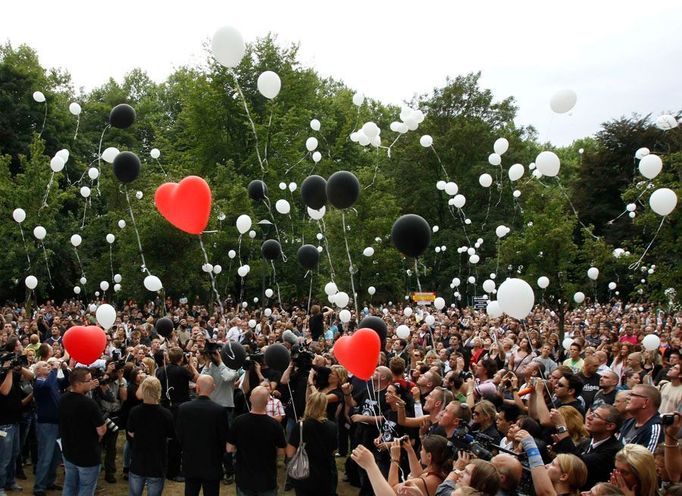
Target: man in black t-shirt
{"x":150,"y":425}
{"x":258,"y":441}
{"x":81,"y":426}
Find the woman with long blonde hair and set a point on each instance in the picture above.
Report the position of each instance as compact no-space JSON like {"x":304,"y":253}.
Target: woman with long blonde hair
{"x":635,"y":472}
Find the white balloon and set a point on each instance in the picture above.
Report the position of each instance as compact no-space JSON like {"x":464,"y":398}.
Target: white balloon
{"x":121,"y":223}
{"x":243,"y":270}
{"x":228,"y":46}
{"x":109,"y":154}
{"x":282,"y":206}
{"x":330,"y":288}
{"x":435,"y":229}
{"x":474,"y":259}
{"x":311,"y":143}
{"x":563,"y":101}
{"x":593,"y":273}
{"x":292,"y":187}
{"x":488,"y":285}
{"x":139,"y":195}
{"x":207,"y":267}
{"x":92,"y":307}
{"x":75,"y":108}
{"x":117,"y":288}
{"x":319,"y":249}
{"x":501,"y":231}
{"x":376,"y":141}
{"x":494,"y":159}
{"x":451,"y":188}
{"x":269,"y":84}
{"x":315,"y":125}
{"x":456,"y":282}
{"x":663,"y":201}
{"x":368,"y":252}
{"x":439,"y":303}
{"x":217,"y":269}
{"x":344,"y":316}
{"x":76,"y":240}
{"x":650,"y":166}
{"x":631,"y":207}
{"x":155,"y":153}
{"x":543,"y":282}
{"x":243,"y":223}
{"x":459,"y":201}
{"x":252,"y":323}
{"x":567,"y":342}
{"x":38,"y":96}
{"x":407,"y":311}
{"x":641,"y":153}
{"x":319,"y":236}
{"x":440,"y":185}
{"x":632,"y":215}
{"x":370,"y":129}
{"x":231,"y":254}
{"x":31,"y":282}
{"x":118,"y":278}
{"x":402,"y":331}
{"x":651,"y":342}
{"x":110,"y":238}
{"x":85,"y":191}
{"x":93,"y":173}
{"x":516,"y":193}
{"x":341,"y":299}
{"x":363,"y":139}
{"x":76,"y":290}
{"x":83,"y":280}
{"x":371,"y":290}
{"x":316,"y":214}
{"x":283,"y":186}
{"x":579,"y":297}
{"x":516,"y":172}
{"x":516,"y":298}
{"x":358,"y":99}
{"x":152,"y":283}
{"x":57,"y":164}
{"x":612,"y":286}
{"x":437,"y":249}
{"x":485,"y":180}
{"x":666,"y":122}
{"x":493,"y":309}
{"x":537,"y":174}
{"x":501,"y":146}
{"x":105,"y":315}
{"x":39,"y":232}
{"x":426,"y":141}
{"x":548,"y":163}
{"x":104,"y":285}
{"x":317,"y":156}
{"x":430,"y":320}
{"x":267,"y":312}
{"x":19,"y":215}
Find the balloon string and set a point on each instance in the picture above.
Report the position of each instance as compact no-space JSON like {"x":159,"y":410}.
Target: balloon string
{"x":500,"y":185}
{"x":80,"y":265}
{"x":462,"y":219}
{"x":137,"y":234}
{"x":99,"y":156}
{"x":23,"y":239}
{"x":575,"y":212}
{"x":302,"y":159}
{"x":47,"y":265}
{"x":487,"y":212}
{"x":85,"y":209}
{"x":267,"y":135}
{"x":78,"y":123}
{"x":636,"y":264}
{"x":47,"y":192}
{"x":274,"y":223}
{"x":239,"y":249}
{"x":248,"y":115}
{"x":161,"y":166}
{"x":44,"y":121}
{"x":310,"y":291}
{"x":274,"y":278}
{"x":350,"y":262}
{"x":440,"y":162}
{"x":497,"y":266}
{"x":416,"y":274}
{"x":323,"y":228}
{"x":626,"y":210}
{"x":111,"y":261}
{"x":388,"y":150}
{"x":215,"y":290}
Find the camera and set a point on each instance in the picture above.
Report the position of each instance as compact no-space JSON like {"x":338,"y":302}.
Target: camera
{"x":111,"y":425}
{"x":478,"y":444}
{"x":302,"y":358}
{"x":668,"y":419}
{"x":254,"y":358}
{"x":15,"y":359}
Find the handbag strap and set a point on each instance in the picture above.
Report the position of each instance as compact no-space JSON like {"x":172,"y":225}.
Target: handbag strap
{"x":300,"y":438}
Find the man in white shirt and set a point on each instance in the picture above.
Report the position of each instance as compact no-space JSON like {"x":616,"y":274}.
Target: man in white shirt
{"x":671,"y":392}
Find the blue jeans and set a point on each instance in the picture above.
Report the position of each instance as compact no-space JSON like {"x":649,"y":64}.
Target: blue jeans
{"x":136,"y":485}
{"x":49,"y":455}
{"x":9,"y":451}
{"x":248,"y":492}
{"x":80,"y":481}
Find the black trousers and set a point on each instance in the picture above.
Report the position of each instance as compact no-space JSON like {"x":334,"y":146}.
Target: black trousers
{"x":109,"y":445}
{"x":174,"y":449}
{"x":210,"y":487}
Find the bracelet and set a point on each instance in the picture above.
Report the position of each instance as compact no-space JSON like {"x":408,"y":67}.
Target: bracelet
{"x":676,"y":445}
{"x":395,"y":461}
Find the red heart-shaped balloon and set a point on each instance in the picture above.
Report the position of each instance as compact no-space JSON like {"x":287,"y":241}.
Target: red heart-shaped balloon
{"x":85,"y":344}
{"x":359,"y":353}
{"x":186,"y":205}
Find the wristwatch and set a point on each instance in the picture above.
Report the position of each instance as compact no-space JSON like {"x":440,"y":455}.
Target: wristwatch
{"x":561,"y":429}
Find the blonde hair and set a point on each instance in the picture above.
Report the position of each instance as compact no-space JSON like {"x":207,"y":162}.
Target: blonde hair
{"x":150,"y":364}
{"x":575,"y":470}
{"x":643,"y":466}
{"x":151,"y":389}
{"x":341,"y":372}
{"x":316,"y":407}
{"x":574,"y":424}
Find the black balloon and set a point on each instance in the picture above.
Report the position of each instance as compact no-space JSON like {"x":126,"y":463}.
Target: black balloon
{"x":377,"y":325}
{"x":271,"y":249}
{"x":126,"y":167}
{"x":164,"y":327}
{"x":233,"y":355}
{"x":257,"y":190}
{"x":314,"y":191}
{"x":343,"y":189}
{"x":308,"y":256}
{"x":122,"y":116}
{"x":411,"y":235}
{"x":277,"y":357}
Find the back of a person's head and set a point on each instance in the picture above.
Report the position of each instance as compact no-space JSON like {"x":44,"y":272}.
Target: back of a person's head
{"x":78,"y":375}
{"x":175,"y":355}
{"x":316,"y":406}
{"x":607,"y":489}
{"x":397,"y":365}
{"x":437,"y":447}
{"x":511,"y":412}
{"x":485,"y":477}
{"x":643,"y":465}
{"x":151,"y":389}
{"x":575,"y":470}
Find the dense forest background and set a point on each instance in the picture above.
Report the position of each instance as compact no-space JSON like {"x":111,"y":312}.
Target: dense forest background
{"x":197,"y":119}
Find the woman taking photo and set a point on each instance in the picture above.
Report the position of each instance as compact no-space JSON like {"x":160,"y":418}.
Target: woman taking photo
{"x":320,"y":438}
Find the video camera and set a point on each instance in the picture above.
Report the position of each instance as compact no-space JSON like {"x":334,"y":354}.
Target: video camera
{"x":478,"y":444}
{"x":15,"y":359}
{"x":254,"y":358}
{"x":302,"y":358}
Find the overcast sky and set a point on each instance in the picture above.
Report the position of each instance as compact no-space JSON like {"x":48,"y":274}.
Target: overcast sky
{"x":619,"y":57}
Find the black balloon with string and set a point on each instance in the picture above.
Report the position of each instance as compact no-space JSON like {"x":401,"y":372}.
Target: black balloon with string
{"x":233,"y":355}
{"x":377,"y":325}
{"x":271,"y":249}
{"x":122,"y":116}
{"x":126,"y":167}
{"x":314,"y":191}
{"x":411,"y":235}
{"x":277,"y":357}
{"x":343,"y":189}
{"x":257,"y":190}
{"x":308,"y":256}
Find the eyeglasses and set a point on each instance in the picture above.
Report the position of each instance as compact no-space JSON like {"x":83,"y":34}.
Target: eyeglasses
{"x":561,"y":385}
{"x":593,"y":412}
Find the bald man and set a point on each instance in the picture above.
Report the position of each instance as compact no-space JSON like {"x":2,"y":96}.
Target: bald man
{"x":258,"y":440}
{"x":510,"y":470}
{"x":202,"y":432}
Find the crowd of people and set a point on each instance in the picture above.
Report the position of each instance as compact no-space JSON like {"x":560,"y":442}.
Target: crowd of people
{"x":466,"y":404}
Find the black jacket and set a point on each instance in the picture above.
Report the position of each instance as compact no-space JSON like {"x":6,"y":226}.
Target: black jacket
{"x":600,"y":460}
{"x":202,"y":431}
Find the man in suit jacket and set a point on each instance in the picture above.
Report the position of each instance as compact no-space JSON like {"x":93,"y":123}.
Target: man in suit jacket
{"x":202,"y":432}
{"x":602,"y":422}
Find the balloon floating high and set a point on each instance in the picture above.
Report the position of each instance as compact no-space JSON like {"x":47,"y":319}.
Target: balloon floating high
{"x":122,"y":116}
{"x":411,"y":235}
{"x":343,"y":189}
{"x":186,"y":205}
{"x":308,"y":257}
{"x":126,"y":167}
{"x":271,"y":249}
{"x":314,"y":192}
{"x":257,"y":190}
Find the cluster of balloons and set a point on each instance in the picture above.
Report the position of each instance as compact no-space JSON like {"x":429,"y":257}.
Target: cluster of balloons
{"x":368,"y":134}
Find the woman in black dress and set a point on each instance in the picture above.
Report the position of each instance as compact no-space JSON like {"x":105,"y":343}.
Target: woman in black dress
{"x":320,"y":438}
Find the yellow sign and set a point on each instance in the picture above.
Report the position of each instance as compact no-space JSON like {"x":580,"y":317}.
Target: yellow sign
{"x":424,"y":297}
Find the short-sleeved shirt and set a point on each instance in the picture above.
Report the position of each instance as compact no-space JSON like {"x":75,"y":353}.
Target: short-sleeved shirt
{"x":79,"y":418}
{"x":151,"y":425}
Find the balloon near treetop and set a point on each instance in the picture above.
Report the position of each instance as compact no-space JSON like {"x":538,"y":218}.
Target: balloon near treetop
{"x":186,"y":205}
